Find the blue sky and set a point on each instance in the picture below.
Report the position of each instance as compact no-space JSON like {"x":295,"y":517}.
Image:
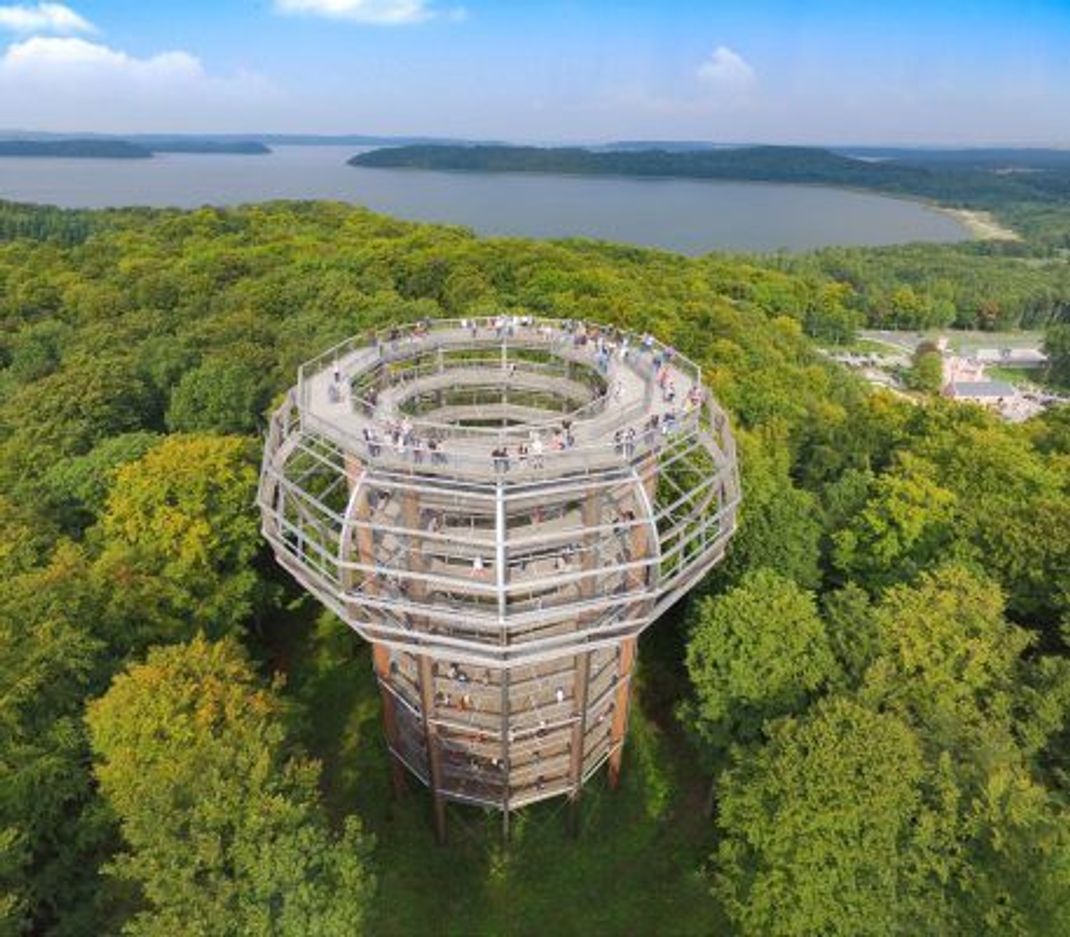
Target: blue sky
{"x":819,"y":71}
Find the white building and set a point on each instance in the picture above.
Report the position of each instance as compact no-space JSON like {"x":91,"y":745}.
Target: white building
{"x":988,"y":393}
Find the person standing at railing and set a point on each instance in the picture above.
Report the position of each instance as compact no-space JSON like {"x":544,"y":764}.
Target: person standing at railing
{"x":372,"y":440}
{"x":536,"y":451}
{"x":650,"y":431}
{"x":437,"y":456}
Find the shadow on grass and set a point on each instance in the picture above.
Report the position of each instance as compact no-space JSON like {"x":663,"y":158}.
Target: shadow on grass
{"x":636,"y":867}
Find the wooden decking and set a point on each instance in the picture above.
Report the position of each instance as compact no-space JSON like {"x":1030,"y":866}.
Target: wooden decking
{"x":631,"y":399}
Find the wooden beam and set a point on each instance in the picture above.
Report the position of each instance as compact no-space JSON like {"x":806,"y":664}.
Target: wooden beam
{"x":381,"y":662}
{"x":434,"y":752}
{"x":621,"y":701}
{"x":579,"y":738}
{"x":365,"y":549}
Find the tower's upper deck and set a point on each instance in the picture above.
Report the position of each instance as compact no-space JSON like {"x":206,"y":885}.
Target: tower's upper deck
{"x":558,"y":397}
{"x":502,"y":490}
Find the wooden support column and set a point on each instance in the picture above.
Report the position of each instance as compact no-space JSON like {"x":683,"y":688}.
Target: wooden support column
{"x":381,"y":662}
{"x":579,"y":736}
{"x":362,"y":538}
{"x":416,"y":591}
{"x":621,"y":700}
{"x":642,"y":545}
{"x":591,"y":514}
{"x":434,"y":752}
{"x":501,"y":579}
{"x":506,"y":754}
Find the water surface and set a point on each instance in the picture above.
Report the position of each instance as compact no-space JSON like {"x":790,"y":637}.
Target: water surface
{"x":690,"y":216}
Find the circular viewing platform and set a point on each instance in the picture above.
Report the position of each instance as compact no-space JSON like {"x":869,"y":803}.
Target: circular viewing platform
{"x":500,"y":506}
{"x":443,"y":396}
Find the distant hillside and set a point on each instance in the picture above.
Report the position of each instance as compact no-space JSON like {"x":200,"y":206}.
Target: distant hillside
{"x":795,"y":164}
{"x":237,"y":147}
{"x":150,"y":140}
{"x":669,"y":146}
{"x":75,"y":149}
{"x":990,"y":158}
{"x":955,"y":184}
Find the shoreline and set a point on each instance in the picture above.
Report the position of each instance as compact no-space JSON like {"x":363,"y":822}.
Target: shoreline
{"x":981,"y":225}
{"x":971,"y":225}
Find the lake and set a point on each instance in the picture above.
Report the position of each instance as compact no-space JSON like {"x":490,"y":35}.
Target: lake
{"x":689,"y":216}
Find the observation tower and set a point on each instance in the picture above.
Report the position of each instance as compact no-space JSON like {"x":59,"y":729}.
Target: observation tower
{"x":500,"y":507}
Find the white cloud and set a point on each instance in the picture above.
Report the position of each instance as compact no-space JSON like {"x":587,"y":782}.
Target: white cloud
{"x":44,"y":18}
{"x":45,"y":57}
{"x":727,"y":71}
{"x":66,"y":83}
{"x":373,"y":12}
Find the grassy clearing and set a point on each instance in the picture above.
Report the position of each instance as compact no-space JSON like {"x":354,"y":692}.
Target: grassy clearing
{"x":636,"y":867}
{"x":860,"y":346}
{"x":1035,"y":379}
{"x":965,"y":341}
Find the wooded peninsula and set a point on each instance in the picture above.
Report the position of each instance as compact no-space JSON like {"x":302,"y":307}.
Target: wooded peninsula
{"x":105,"y":148}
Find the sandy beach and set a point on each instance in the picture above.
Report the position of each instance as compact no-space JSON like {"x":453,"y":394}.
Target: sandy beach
{"x":981,"y":225}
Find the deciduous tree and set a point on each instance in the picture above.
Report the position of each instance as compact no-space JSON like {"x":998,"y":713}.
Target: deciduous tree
{"x":757,"y":652}
{"x":223,"y":823}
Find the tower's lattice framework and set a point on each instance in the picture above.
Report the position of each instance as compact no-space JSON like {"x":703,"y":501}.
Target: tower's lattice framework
{"x":500,"y":509}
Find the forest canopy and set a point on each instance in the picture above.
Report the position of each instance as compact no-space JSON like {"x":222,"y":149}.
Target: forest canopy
{"x":871,"y":693}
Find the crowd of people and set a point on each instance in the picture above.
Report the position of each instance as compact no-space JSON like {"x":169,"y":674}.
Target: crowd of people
{"x":607,"y":345}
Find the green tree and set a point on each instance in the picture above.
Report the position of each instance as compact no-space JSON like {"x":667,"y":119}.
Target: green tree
{"x":904,"y":526}
{"x":822,"y":829}
{"x":757,"y":652}
{"x":780,"y":523}
{"x":222,"y":395}
{"x":37,"y":350}
{"x":949,"y":662}
{"x":953,"y":668}
{"x":927,"y":369}
{"x":1010,"y":511}
{"x":76,"y":489}
{"x":223,"y":822}
{"x":51,"y":833}
{"x":1057,"y":348}
{"x":849,"y":620}
{"x":179,"y":536}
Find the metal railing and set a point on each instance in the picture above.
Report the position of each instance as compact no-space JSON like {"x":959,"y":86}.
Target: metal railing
{"x":560,"y":338}
{"x":556,"y":335}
